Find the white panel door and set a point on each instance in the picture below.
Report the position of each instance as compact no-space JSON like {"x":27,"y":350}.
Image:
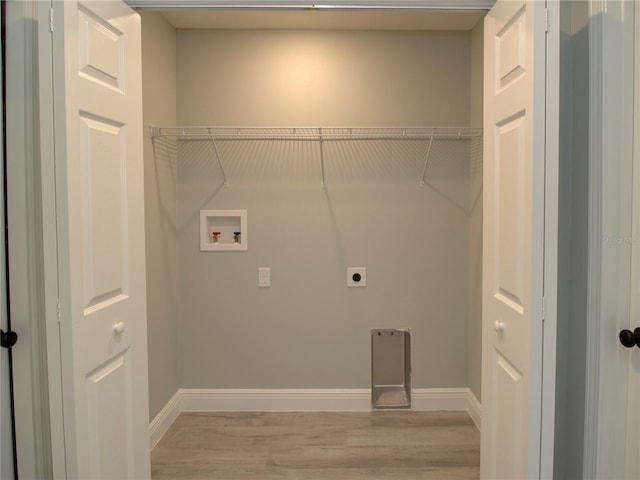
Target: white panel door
{"x":513,"y":241}
{"x":98,"y":104}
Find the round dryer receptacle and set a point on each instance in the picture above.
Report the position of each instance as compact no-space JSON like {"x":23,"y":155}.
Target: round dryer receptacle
{"x":356,"y":277}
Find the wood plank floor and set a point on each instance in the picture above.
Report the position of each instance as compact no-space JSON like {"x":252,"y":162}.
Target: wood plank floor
{"x":398,"y":445}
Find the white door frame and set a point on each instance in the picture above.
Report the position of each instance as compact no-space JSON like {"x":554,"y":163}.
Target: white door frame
{"x":32,"y":238}
{"x":51,"y":308}
{"x":551,"y":233}
{"x":6,"y":428}
{"x":610,"y":237}
{"x":43,"y":62}
{"x":632,"y":463}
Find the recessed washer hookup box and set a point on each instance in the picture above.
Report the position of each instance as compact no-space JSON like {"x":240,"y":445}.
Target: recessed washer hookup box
{"x":391,"y":368}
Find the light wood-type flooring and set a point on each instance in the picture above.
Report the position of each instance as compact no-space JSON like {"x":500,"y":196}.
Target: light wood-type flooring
{"x":398,"y":445}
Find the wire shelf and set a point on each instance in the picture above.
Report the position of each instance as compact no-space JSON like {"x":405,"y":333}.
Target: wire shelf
{"x":317,"y":133}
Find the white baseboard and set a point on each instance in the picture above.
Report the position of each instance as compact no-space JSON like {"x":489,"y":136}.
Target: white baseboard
{"x":433,"y":399}
{"x":161,"y":423}
{"x":474,"y":409}
{"x":302,"y":400}
{"x":280,"y":400}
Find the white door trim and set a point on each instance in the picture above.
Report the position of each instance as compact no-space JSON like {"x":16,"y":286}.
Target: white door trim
{"x":594,"y":242}
{"x":51,"y":306}
{"x":6,"y":430}
{"x":551,"y":228}
{"x":33,"y":251}
{"x":31,"y":237}
{"x":632,"y":462}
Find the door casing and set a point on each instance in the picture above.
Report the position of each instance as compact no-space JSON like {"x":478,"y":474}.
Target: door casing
{"x":31,"y":216}
{"x":6,"y":430}
{"x":632,"y":462}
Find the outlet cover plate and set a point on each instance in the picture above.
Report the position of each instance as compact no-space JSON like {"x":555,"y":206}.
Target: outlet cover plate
{"x":352,"y":277}
{"x":264,"y":277}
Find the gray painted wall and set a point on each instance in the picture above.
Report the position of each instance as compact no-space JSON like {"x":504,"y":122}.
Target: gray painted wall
{"x":318,"y":78}
{"x":573,"y":234}
{"x":309,"y":330}
{"x":160,"y":176}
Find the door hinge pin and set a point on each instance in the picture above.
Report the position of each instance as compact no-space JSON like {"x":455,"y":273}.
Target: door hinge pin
{"x":51,"y":19}
{"x":546,"y":20}
{"x":59,"y":312}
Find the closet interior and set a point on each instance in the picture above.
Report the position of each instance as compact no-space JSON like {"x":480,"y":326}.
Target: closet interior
{"x":347,"y":144}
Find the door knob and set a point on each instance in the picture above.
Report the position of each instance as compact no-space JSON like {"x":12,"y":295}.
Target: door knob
{"x":498,"y":326}
{"x":8,"y":339}
{"x":118,"y":328}
{"x":630,"y":339}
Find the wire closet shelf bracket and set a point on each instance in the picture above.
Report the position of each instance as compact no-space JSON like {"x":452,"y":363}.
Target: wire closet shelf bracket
{"x":316,"y":134}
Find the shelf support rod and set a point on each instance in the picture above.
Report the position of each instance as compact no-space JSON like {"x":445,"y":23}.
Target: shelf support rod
{"x":215,"y":149}
{"x":426,"y":160}
{"x":324,"y":185}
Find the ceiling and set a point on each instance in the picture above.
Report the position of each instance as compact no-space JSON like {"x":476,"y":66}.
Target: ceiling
{"x":323,"y":20}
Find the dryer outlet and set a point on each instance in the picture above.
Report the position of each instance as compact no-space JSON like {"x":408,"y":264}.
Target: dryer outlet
{"x":356,"y":277}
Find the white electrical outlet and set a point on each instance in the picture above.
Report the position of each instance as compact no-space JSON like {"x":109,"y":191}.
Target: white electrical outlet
{"x":356,"y":277}
{"x":264,"y":277}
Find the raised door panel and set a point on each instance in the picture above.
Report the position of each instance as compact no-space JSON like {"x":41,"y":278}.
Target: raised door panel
{"x":510,"y":49}
{"x":110,"y":410}
{"x":509,"y":217}
{"x":103,"y":160}
{"x":100,"y":50}
{"x":509,"y":424}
